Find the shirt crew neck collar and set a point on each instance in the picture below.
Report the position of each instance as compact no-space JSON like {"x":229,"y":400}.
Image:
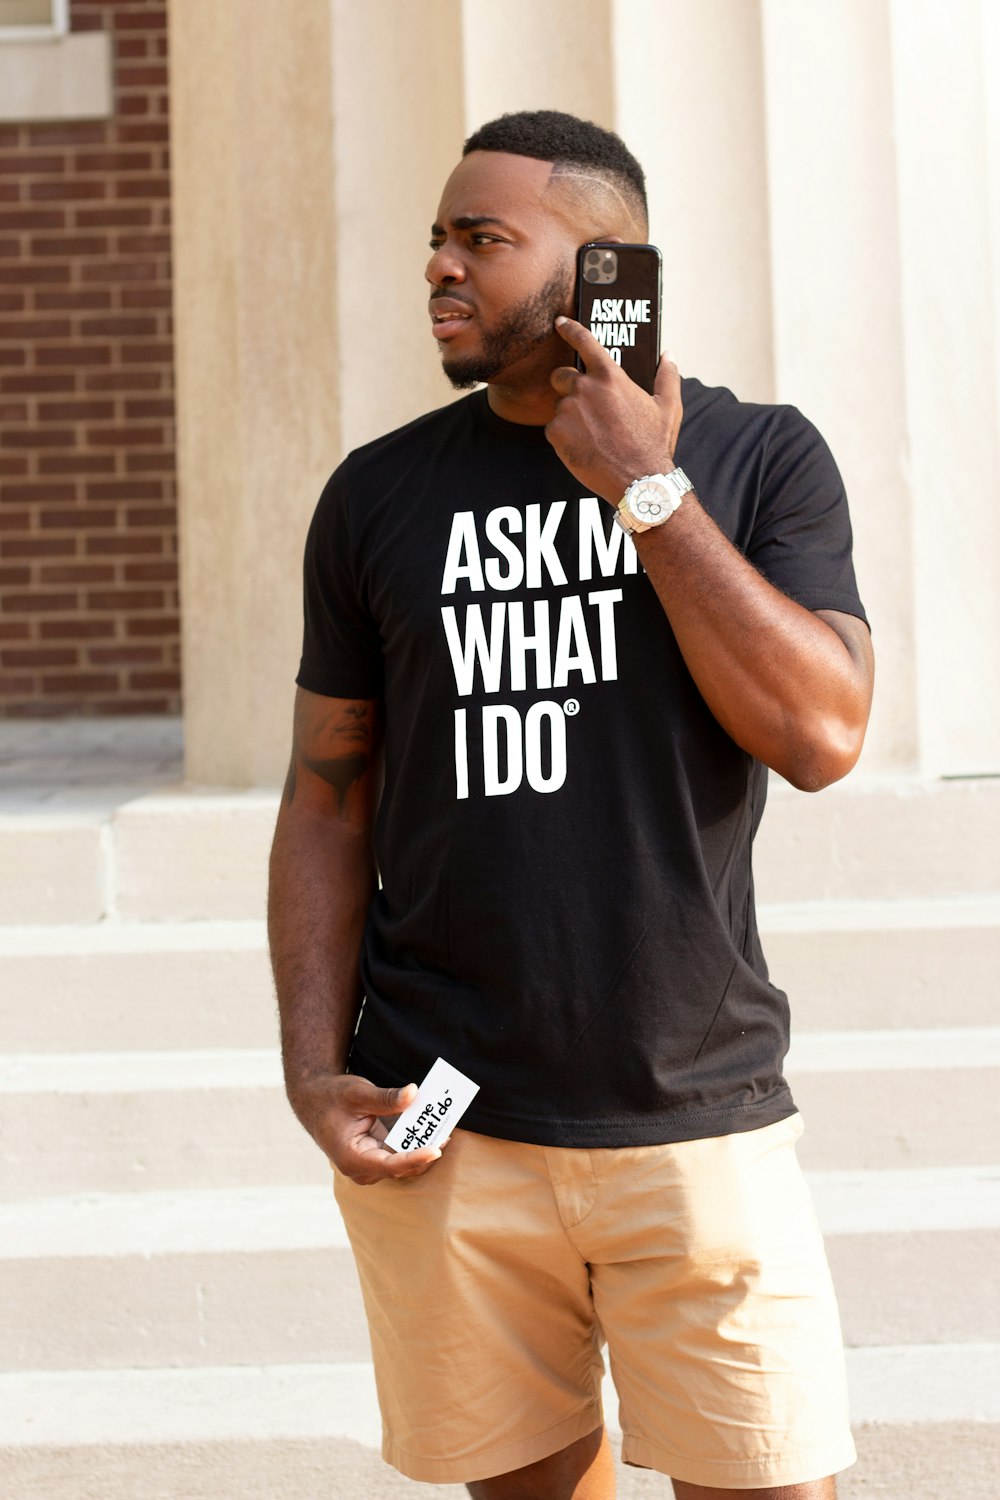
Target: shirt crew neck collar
{"x":515,"y":434}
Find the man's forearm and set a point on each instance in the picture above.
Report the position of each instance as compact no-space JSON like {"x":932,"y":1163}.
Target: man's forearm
{"x":322,"y":879}
{"x":780,"y":680}
{"x":791,"y":687}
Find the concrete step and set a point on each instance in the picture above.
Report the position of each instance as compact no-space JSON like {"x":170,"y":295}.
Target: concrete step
{"x":927,"y":1287}
{"x":218,"y":1117}
{"x":136,"y":985}
{"x":922,"y":1461}
{"x":883,"y":964}
{"x":151,"y":1279}
{"x":149,"y":1120}
{"x":184,"y":854}
{"x":184,"y":1310}
{"x":300,"y":1430}
{"x":219,"y":1132}
{"x":883,"y":1121}
{"x":131,"y":985}
{"x":181,"y":854}
{"x":885,"y":840}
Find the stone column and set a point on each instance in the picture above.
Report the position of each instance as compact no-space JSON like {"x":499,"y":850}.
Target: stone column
{"x":257,"y":369}
{"x":944,"y":82}
{"x":884,"y":332}
{"x":398,"y":123}
{"x":520,"y":54}
{"x":836,"y":270}
{"x":689,"y":103}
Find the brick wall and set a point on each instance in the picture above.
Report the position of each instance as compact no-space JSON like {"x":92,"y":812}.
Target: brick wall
{"x":88,"y":522}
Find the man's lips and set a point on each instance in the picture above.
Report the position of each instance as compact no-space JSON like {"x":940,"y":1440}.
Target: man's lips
{"x":449,"y":316}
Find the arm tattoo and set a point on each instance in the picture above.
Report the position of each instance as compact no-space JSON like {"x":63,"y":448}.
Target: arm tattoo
{"x":341,"y":773}
{"x":346,"y":737}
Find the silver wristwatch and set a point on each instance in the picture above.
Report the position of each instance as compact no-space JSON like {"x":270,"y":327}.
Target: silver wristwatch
{"x":651,"y":500}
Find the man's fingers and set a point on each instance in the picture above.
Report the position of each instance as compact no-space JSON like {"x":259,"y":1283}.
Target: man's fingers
{"x":667,"y":385}
{"x":590,"y":350}
{"x":405,"y":1164}
{"x":376,"y":1166}
{"x":564,"y":379}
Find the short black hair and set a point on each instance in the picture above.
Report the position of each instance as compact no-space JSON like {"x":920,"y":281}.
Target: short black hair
{"x":566,"y":141}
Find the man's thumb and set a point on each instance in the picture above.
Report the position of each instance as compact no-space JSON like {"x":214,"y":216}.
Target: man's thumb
{"x":394,"y":1101}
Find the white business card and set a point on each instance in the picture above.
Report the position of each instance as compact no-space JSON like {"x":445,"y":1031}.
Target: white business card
{"x":441,"y":1101}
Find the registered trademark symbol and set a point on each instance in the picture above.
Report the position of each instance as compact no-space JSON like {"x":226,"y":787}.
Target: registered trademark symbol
{"x":571,"y":707}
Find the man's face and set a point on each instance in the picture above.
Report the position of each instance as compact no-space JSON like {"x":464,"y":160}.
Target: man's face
{"x":502,"y":270}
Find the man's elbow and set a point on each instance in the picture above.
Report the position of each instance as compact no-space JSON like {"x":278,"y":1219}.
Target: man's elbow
{"x":824,"y":752}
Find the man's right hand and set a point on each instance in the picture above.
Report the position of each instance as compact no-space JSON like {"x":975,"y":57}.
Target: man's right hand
{"x":341,"y":1113}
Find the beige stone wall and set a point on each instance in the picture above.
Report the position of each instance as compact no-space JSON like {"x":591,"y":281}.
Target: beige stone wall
{"x":829,"y":240}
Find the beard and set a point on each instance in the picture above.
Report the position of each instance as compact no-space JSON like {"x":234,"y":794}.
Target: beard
{"x":523,"y":328}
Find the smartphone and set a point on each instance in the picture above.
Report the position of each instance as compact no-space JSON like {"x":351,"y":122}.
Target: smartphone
{"x":618,"y":299}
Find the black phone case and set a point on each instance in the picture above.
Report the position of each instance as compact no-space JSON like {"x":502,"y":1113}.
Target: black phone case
{"x":622,"y":309}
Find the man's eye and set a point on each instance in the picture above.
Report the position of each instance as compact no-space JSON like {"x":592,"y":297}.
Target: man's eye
{"x":484,"y":239}
{"x":435,"y":244}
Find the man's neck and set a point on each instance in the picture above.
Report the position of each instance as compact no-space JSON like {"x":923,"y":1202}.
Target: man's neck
{"x":531,"y":407}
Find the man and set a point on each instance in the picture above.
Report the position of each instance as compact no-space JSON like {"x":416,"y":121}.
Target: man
{"x":574,"y":751}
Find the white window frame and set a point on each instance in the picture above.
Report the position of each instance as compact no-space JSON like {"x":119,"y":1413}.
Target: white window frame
{"x":58,"y":27}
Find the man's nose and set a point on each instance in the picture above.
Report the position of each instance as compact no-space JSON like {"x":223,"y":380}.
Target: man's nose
{"x":444,"y":267}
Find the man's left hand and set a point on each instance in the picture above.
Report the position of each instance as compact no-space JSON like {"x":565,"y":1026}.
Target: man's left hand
{"x":607,"y":430}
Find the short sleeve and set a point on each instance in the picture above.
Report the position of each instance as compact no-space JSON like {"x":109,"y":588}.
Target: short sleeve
{"x":341,"y":652}
{"x":801,"y":539}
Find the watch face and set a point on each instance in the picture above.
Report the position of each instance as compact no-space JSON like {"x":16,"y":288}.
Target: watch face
{"x":649,"y":503}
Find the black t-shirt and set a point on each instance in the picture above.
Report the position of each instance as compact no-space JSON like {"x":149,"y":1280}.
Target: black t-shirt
{"x":564,"y":840}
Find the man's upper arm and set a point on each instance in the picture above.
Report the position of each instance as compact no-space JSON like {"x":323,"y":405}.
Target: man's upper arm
{"x":857,"y":639}
{"x":336,"y":766}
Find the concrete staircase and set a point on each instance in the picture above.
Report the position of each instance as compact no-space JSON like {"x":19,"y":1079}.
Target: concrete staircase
{"x":180,"y":1313}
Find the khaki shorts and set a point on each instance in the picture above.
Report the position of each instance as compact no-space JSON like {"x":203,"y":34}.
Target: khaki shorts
{"x":492,"y":1282}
